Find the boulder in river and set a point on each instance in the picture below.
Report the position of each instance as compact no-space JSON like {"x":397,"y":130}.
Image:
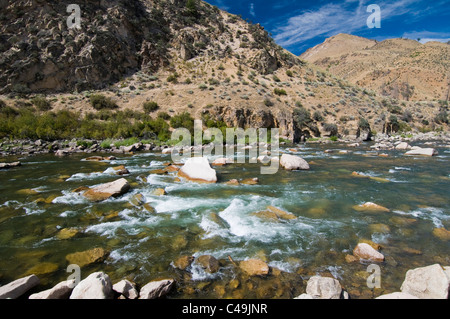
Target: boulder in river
{"x":367,"y":252}
{"x":108,"y":190}
{"x":197,"y":169}
{"x":254,"y":267}
{"x":87,"y":257}
{"x":372,"y":207}
{"x":126,"y":288}
{"x":423,"y":152}
{"x":208,"y":263}
{"x":9,"y":165}
{"x":292,"y":162}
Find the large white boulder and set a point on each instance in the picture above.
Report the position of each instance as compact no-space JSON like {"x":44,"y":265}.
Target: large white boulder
{"x":107,"y":190}
{"x":198,"y":169}
{"x":292,"y":162}
{"x":422,"y":151}
{"x":96,"y":286}
{"x":431,"y":282}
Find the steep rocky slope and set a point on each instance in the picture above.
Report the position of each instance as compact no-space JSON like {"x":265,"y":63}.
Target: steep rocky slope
{"x":399,"y":68}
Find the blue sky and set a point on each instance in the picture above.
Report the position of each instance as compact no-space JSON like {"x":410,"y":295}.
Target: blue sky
{"x":298,"y":25}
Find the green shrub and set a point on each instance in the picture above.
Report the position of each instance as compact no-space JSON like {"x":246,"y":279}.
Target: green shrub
{"x":164,"y":115}
{"x":363,"y":124}
{"x":268,"y":102}
{"x":317,"y":116}
{"x":302,"y":117}
{"x":279,"y":92}
{"x":41,"y":103}
{"x":183,"y":120}
{"x":150,"y":106}
{"x":100,"y":102}
{"x":289,"y":73}
{"x":173,"y":78}
{"x":331,"y":128}
{"x":441,"y":117}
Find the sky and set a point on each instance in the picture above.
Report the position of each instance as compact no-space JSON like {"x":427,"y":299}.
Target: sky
{"x":298,"y":25}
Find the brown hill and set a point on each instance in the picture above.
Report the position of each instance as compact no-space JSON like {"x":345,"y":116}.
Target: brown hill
{"x":399,"y":68}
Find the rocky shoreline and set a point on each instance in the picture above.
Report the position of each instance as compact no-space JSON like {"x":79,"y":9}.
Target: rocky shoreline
{"x":66,"y":147}
{"x":430,"y":282}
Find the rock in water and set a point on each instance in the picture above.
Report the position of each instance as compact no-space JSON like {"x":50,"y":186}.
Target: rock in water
{"x":430,"y":282}
{"x":367,"y":252}
{"x":197,"y":169}
{"x":87,"y":257}
{"x":254,"y":267}
{"x":156,"y":289}
{"x":292,"y":162}
{"x":324,"y":288}
{"x":95,"y":286}
{"x":108,"y":190}
{"x":423,"y":151}
{"x":18,"y":287}
{"x":369,"y":206}
{"x":209,"y":263}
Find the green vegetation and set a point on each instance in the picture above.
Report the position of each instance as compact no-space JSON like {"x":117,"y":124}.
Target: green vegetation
{"x":302,"y":117}
{"x":279,"y":92}
{"x":100,"y":102}
{"x":363,"y":124}
{"x":150,"y":106}
{"x":441,"y":117}
{"x":26,"y":123}
{"x":41,"y":103}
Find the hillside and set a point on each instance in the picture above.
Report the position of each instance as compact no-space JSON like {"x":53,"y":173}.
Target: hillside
{"x":399,"y":68}
{"x":186,"y":56}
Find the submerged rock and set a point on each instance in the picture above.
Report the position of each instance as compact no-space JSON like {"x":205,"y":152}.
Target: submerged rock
{"x":208,"y":263}
{"x":197,"y":169}
{"x":442,"y":233}
{"x":292,"y":162}
{"x":91,"y":256}
{"x":369,"y":206}
{"x":183,"y":262}
{"x":254,"y":267}
{"x":250,"y":181}
{"x":108,"y":190}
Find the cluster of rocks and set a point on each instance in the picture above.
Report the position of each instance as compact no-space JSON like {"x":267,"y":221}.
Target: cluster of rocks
{"x":97,"y":285}
{"x":63,"y":147}
{"x":431,"y":282}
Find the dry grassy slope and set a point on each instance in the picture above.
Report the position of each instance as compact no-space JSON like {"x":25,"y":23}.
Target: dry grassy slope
{"x":387,"y":66}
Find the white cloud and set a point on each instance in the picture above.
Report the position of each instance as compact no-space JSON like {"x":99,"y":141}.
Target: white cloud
{"x":252,"y":9}
{"x":332,"y":18}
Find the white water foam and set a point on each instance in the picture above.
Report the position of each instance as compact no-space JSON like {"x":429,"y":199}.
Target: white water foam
{"x":433,"y":214}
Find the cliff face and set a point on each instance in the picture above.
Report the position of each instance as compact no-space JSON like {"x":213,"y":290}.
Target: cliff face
{"x":39,"y":53}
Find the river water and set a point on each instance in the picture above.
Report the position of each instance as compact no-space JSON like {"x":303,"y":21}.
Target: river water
{"x":36,"y":202}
